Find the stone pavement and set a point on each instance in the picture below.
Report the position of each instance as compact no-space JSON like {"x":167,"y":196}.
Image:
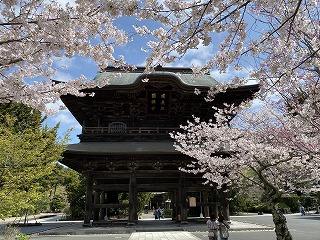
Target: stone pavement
{"x":149,"y":228}
{"x":163,"y":236}
{"x":76,"y":228}
{"x":146,"y":228}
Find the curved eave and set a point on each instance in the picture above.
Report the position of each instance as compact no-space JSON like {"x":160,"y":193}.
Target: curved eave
{"x":253,"y":88}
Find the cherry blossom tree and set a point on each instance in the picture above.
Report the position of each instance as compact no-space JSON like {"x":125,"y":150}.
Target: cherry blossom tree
{"x":278,"y":146}
{"x":33,"y":33}
{"x":278,"y":39}
{"x":274,"y":150}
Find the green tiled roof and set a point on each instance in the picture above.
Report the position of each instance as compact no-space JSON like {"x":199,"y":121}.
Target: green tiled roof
{"x":127,"y":78}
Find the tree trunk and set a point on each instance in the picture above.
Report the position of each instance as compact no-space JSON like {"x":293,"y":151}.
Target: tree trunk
{"x":273,"y":195}
{"x":280,"y":222}
{"x":26,"y":217}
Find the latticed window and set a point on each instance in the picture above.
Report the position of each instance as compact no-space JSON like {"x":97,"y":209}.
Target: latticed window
{"x":117,"y":127}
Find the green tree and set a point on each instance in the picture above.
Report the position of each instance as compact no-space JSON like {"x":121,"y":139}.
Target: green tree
{"x":143,"y":199}
{"x":75,"y":187}
{"x":28,"y":153}
{"x":57,"y":203}
{"x":56,"y":180}
{"x":26,"y":117}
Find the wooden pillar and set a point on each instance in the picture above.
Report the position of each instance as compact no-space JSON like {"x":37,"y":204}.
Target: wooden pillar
{"x":225,"y":202}
{"x":178,"y":203}
{"x":88,"y":204}
{"x":215,"y":207}
{"x":174,"y":205}
{"x":183,"y":199}
{"x":103,"y":211}
{"x":205,"y":197}
{"x":96,"y":211}
{"x":133,"y":200}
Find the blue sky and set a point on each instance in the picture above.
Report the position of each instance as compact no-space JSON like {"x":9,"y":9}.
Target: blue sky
{"x":70,"y":68}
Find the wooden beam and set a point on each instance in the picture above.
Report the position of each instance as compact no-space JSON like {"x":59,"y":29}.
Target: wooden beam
{"x":139,"y":174}
{"x":143,"y":174}
{"x":149,"y":187}
{"x":112,"y":187}
{"x":199,"y":204}
{"x":110,"y":205}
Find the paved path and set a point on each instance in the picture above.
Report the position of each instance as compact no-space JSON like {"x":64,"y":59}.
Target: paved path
{"x":242,"y":228}
{"x":146,"y":229}
{"x":162,"y":236}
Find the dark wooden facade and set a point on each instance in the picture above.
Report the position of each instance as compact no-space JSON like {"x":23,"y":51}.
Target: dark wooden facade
{"x":125,"y":144}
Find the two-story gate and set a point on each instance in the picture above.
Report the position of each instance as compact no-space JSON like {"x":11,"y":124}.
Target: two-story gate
{"x":125,"y":144}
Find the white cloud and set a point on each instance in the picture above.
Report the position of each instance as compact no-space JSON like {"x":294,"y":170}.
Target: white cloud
{"x":252,"y":82}
{"x":62,"y":65}
{"x":231,"y":73}
{"x":55,"y":106}
{"x":67,"y":123}
{"x":72,"y":68}
{"x":257,"y":104}
{"x":196,"y":57}
{"x":66,"y":119}
{"x":221,"y":77}
{"x":202,"y":53}
{"x":63,"y":62}
{"x":62,"y":76}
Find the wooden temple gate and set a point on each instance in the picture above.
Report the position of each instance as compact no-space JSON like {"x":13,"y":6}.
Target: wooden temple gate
{"x":125,"y":145}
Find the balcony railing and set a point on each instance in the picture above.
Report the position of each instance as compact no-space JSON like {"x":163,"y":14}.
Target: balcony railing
{"x":118,"y":131}
{"x":128,"y":130}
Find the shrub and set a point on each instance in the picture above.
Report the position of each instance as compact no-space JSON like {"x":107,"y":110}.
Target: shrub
{"x":167,"y":213}
{"x":57,"y":204}
{"x":261,"y":207}
{"x":22,"y":236}
{"x":10,"y":232}
{"x":291,"y":201}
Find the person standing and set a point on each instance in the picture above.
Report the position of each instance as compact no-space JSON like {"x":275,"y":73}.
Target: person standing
{"x":212,"y":225}
{"x":223,"y":227}
{"x":159,"y":213}
{"x":155,"y":213}
{"x":302,"y":210}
